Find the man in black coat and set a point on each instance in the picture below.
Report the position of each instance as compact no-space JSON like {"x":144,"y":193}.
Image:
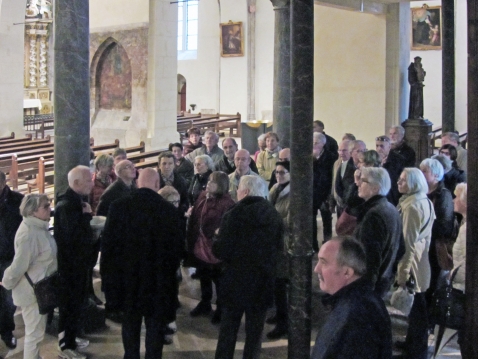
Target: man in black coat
{"x":140,"y":250}
{"x":379,"y":229}
{"x":400,"y":147}
{"x":249,"y":240}
{"x":226,"y":163}
{"x":393,"y":163}
{"x":168,"y":177}
{"x":331,"y":145}
{"x":10,"y":219}
{"x":358,"y":325}
{"x":344,"y":169}
{"x":74,"y":239}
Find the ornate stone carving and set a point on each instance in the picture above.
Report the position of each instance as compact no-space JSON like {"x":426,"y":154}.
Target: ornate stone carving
{"x":33,"y":57}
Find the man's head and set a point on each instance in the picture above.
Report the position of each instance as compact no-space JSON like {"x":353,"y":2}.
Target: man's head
{"x":211,"y":139}
{"x":383,"y":146}
{"x":176,"y":149}
{"x":3,"y":181}
{"x":319,"y":126}
{"x":373,"y":181}
{"x":341,"y":262}
{"x":242,"y":159}
{"x":194,"y":135}
{"x":125,"y":170}
{"x":396,"y":134}
{"x":272,"y":141}
{"x":149,"y":178}
{"x":261,"y":142}
{"x":229,"y":146}
{"x":450,"y":138}
{"x":284,"y":154}
{"x":166,"y":163}
{"x":357,"y":147}
{"x":319,"y":142}
{"x":344,"y":153}
{"x":119,"y":154}
{"x":251,"y":186}
{"x":80,"y":180}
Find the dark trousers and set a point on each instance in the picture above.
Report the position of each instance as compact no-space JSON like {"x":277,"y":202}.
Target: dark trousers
{"x":112,"y":286}
{"x":208,"y":275}
{"x":7,"y":311}
{"x":73,"y":299}
{"x":417,"y":334}
{"x":230,"y":322}
{"x":131,"y":333}
{"x":280,"y":297}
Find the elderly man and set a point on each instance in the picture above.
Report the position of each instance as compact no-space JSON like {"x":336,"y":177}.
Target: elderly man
{"x":451,"y":138}
{"x":167,"y":177}
{"x":250,"y":238}
{"x":10,"y":220}
{"x":399,"y":146}
{"x":209,"y":148}
{"x":393,"y":163}
{"x":356,"y":147}
{"x":74,"y":239}
{"x":226,"y":163}
{"x":344,"y":170}
{"x":379,"y":229}
{"x":284,"y":155}
{"x":242,"y":160}
{"x":140,"y":243}
{"x":358,"y":325}
{"x":331,"y":144}
{"x":126,"y":174}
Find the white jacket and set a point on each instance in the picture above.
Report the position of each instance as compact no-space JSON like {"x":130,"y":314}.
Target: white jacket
{"x":459,"y":258}
{"x":35,"y":252}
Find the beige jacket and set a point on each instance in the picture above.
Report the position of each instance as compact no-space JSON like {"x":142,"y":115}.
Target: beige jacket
{"x":266,"y":163}
{"x":459,"y":258}
{"x":234,"y":184}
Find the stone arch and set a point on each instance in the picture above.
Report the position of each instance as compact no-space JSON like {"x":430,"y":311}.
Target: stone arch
{"x":181,"y":93}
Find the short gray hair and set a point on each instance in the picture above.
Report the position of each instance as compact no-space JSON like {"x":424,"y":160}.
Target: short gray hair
{"x":446,"y":162}
{"x":416,"y":181}
{"x":401,"y":130}
{"x":354,"y":143}
{"x":261,"y":137}
{"x":207,"y":160}
{"x":320,"y":137}
{"x":452,"y":136}
{"x":212,"y":132}
{"x":104,"y":160}
{"x":436,"y":168}
{"x":378,"y":176}
{"x":255,"y":184}
{"x":351,"y":254}
{"x":31,"y":203}
{"x":77,"y":173}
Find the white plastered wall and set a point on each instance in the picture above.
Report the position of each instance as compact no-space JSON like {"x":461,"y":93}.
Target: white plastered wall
{"x":111,"y":13}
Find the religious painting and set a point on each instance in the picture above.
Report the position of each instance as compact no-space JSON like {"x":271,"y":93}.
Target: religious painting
{"x":426,"y":28}
{"x":232,"y":39}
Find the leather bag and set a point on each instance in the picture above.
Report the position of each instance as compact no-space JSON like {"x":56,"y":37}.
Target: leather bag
{"x":345,"y":224}
{"x":444,"y":254}
{"x":203,"y":249}
{"x":46,"y":292}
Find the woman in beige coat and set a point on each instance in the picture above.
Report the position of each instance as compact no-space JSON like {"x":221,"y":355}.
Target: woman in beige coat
{"x":35,"y":253}
{"x":417,"y":215}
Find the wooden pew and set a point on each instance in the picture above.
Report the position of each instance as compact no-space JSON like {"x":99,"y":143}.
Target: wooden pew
{"x":25,"y":142}
{"x":107,"y":146}
{"x":41,"y":147}
{"x":28,"y":137}
{"x":12,"y":136}
{"x":45,"y":176}
{"x":141,"y":157}
{"x":215,"y":122}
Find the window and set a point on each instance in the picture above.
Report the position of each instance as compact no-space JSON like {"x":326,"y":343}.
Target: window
{"x":187,"y":28}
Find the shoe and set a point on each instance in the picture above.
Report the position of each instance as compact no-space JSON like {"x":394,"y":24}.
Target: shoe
{"x":10,"y":341}
{"x":95,"y":299}
{"x":203,"y":308}
{"x":216,"y":318}
{"x":167,"y":340}
{"x":272,"y":319}
{"x":116,"y":317}
{"x":277,"y":333}
{"x":71,"y":354}
{"x":81,"y":343}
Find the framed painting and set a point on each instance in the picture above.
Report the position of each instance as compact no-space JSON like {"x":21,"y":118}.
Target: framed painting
{"x":426,"y":28}
{"x":232,"y":39}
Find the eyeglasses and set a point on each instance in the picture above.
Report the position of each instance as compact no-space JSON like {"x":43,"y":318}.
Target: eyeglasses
{"x":281,"y":173}
{"x":382,"y":139}
{"x":446,"y":153}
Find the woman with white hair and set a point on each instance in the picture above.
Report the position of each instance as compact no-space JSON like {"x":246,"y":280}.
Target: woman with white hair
{"x":418,"y":216}
{"x":203,"y":167}
{"x":35,"y":255}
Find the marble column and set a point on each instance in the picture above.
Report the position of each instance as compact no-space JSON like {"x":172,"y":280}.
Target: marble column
{"x":448,"y":65}
{"x":302,"y":112}
{"x":281,"y":106}
{"x":470,"y":349}
{"x":251,"y":60}
{"x":72,"y":88}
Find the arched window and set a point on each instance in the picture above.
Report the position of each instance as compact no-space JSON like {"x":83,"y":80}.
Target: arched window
{"x":187,"y":29}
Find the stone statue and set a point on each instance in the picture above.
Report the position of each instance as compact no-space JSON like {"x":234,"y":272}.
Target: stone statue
{"x":416,"y":76}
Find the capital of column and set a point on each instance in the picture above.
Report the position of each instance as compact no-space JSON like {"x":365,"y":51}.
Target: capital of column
{"x":280,"y":4}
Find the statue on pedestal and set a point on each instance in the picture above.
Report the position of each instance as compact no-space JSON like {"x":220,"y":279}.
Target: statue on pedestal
{"x":416,"y":76}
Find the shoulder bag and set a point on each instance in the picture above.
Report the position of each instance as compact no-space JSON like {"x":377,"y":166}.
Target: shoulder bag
{"x":46,"y":292}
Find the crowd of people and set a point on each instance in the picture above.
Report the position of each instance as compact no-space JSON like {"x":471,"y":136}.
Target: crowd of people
{"x":226,"y":213}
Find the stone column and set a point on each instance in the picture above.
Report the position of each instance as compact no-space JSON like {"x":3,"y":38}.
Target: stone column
{"x":251,"y":60}
{"x":448,"y":66}
{"x":72,"y":88}
{"x":302,"y":114}
{"x":32,"y":65}
{"x":281,"y":106}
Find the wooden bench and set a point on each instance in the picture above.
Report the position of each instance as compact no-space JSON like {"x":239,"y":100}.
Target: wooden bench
{"x":31,"y":149}
{"x":12,"y":136}
{"x":141,"y":157}
{"x":24,"y":142}
{"x":215,"y":122}
{"x":28,"y":137}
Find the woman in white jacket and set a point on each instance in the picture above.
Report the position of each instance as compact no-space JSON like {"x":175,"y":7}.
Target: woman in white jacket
{"x":35,"y":253}
{"x":417,"y":214}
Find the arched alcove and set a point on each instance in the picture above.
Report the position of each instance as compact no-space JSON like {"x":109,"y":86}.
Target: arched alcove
{"x":181,"y":93}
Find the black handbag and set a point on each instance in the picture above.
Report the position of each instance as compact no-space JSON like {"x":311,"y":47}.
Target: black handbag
{"x":46,"y":292}
{"x":448,"y":306}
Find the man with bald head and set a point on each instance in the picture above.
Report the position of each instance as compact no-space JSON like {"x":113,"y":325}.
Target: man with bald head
{"x":126,"y":174}
{"x":284,"y":155}
{"x":139,"y":251}
{"x":226,"y":163}
{"x":74,"y":239}
{"x":242,"y":160}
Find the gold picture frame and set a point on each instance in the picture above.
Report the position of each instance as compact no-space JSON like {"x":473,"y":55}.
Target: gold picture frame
{"x":426,"y":28}
{"x":232,"y":39}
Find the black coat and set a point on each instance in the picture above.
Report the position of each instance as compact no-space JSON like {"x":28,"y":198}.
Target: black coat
{"x":323,"y":173}
{"x":10,"y":219}
{"x":186,"y":170}
{"x":73,"y":234}
{"x":407,"y":153}
{"x":224,"y":166}
{"x":117,"y":190}
{"x":379,"y":228}
{"x":358,"y":326}
{"x":198,"y":184}
{"x":139,"y":250}
{"x":452,"y":178}
{"x":343,"y":184}
{"x":249,"y":241}
{"x":332,"y":146}
{"x":179,"y":185}
{"x":394,"y":167}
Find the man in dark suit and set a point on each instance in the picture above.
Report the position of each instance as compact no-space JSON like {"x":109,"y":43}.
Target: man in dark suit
{"x":399,"y":146}
{"x":168,"y":177}
{"x":344,"y":175}
{"x":140,"y":244}
{"x":393,"y":163}
{"x":331,"y":145}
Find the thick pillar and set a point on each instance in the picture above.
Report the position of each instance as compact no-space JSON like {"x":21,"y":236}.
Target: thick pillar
{"x":471,"y":327}
{"x":448,"y":66}
{"x":72,"y":88}
{"x":282,"y":73}
{"x":302,"y":114}
{"x":251,"y":60}
{"x":397,"y":60}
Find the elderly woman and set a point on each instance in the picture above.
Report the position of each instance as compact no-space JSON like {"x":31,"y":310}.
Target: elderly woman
{"x":452,"y":176}
{"x":35,"y":254}
{"x":443,"y":225}
{"x":182,"y":167}
{"x":261,"y":143}
{"x":279,"y":198}
{"x":194,"y":140}
{"x":203,"y":167}
{"x":205,"y":220}
{"x":102,"y":178}
{"x":418,"y":216}
{"x":267,"y":159}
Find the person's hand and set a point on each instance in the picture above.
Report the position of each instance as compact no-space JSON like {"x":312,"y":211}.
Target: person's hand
{"x":188,"y":213}
{"x":1,"y":284}
{"x":86,"y":207}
